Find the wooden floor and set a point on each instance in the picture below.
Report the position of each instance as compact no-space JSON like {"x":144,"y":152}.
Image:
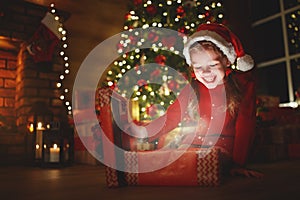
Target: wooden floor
{"x":85,"y":182}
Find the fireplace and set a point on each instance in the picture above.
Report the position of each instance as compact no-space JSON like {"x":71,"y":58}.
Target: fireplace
{"x":23,"y":82}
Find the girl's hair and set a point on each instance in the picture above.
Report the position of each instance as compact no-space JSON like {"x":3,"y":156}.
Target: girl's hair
{"x":233,"y":93}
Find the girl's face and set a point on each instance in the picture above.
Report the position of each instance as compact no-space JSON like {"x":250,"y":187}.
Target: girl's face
{"x":209,"y":66}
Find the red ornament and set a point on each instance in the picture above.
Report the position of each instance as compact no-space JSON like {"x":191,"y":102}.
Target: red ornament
{"x":133,"y":40}
{"x":259,"y":102}
{"x":172,"y":85}
{"x":114,"y":87}
{"x":182,"y":30}
{"x":137,"y":2}
{"x":120,"y":46}
{"x":155,"y":73}
{"x":152,"y":36}
{"x":169,"y":41}
{"x":180,"y":12}
{"x":127,"y":16}
{"x":151,"y":9}
{"x":151,"y":110}
{"x":141,"y":82}
{"x":225,"y":22}
{"x":160,"y":59}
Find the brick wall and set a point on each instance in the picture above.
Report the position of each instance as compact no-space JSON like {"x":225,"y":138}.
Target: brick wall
{"x":22,"y":82}
{"x":34,"y":85}
{"x":7,"y":88}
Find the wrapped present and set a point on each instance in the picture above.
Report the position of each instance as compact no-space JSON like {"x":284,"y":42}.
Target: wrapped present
{"x":194,"y":167}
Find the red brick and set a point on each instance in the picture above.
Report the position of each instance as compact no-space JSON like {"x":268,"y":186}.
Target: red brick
{"x":7,"y":55}
{"x":12,"y":64}
{"x":7,"y":112}
{"x":27,"y":92}
{"x":9,"y":83}
{"x":25,"y":110}
{"x":1,"y":102}
{"x":7,"y":73}
{"x":9,"y":102}
{"x":2,"y":63}
{"x":7,"y":92}
{"x":1,"y":82}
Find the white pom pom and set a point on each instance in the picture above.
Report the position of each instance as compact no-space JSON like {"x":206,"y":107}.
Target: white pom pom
{"x":245,"y":63}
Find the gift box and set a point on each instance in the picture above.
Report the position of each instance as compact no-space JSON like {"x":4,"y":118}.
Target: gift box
{"x":190,"y":167}
{"x":193,"y":167}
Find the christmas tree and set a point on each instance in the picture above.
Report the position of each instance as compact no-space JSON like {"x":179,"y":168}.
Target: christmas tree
{"x":152,"y":89}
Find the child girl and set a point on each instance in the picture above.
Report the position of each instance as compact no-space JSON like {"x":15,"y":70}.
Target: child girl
{"x":225,"y":98}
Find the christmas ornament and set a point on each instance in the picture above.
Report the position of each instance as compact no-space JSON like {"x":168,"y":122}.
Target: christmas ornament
{"x":160,"y":59}
{"x":180,"y":12}
{"x":137,"y":2}
{"x":169,"y":41}
{"x":151,"y":9}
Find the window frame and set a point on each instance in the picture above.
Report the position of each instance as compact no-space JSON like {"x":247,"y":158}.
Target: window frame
{"x":287,"y":58}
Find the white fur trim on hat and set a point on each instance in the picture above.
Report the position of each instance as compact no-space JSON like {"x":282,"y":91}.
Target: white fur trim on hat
{"x":226,"y":47}
{"x":245,"y":63}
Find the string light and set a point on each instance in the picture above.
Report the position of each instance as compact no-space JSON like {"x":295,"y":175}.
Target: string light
{"x":65,"y":58}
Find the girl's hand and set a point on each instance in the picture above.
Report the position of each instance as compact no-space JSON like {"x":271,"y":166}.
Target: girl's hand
{"x":239,"y":171}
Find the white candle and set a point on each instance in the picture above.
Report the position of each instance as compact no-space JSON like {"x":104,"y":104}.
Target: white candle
{"x":54,"y":153}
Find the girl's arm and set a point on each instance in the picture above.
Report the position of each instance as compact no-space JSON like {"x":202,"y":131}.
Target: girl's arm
{"x":246,"y":119}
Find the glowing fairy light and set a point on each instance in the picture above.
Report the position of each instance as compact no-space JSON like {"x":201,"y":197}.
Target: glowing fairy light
{"x":62,"y":53}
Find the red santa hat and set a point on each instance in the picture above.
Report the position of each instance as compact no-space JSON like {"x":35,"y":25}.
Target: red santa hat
{"x":225,"y":40}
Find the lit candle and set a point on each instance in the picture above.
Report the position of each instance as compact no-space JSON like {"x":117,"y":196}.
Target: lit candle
{"x":54,"y":153}
{"x":39,"y":125}
{"x":31,"y":127}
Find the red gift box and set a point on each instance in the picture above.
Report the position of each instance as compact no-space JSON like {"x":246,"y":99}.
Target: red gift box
{"x":194,"y":167}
